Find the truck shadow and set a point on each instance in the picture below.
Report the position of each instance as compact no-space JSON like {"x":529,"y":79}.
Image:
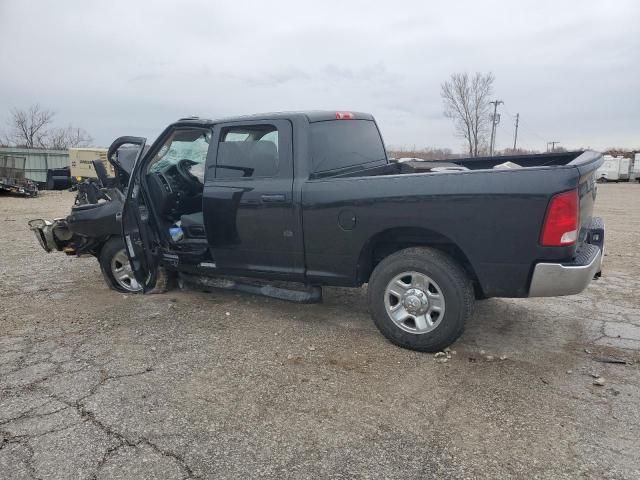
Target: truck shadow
{"x":499,"y":326}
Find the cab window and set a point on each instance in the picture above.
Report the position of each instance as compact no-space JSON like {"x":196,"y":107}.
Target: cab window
{"x":248,"y":151}
{"x":339,"y":144}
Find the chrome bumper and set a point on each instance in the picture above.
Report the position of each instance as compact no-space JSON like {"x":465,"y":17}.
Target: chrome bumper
{"x":558,"y":279}
{"x":51,"y":235}
{"x":43,"y":230}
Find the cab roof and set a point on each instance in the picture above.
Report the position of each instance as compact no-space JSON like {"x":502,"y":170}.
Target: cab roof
{"x":309,"y":115}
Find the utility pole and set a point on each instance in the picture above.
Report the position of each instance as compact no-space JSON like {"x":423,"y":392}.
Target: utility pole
{"x":515,"y":136}
{"x":495,"y":119}
{"x":553,"y":145}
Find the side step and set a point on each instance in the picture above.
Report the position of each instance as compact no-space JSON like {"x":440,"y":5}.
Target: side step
{"x":303,"y":294}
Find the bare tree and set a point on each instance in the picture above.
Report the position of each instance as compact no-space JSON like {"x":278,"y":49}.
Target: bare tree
{"x":466,"y":102}
{"x":68,"y":137}
{"x":29,"y":128}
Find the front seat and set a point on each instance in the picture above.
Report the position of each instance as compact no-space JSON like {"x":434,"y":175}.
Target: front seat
{"x":193,"y":225}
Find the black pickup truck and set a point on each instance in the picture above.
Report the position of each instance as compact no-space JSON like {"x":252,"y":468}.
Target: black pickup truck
{"x":311,"y":198}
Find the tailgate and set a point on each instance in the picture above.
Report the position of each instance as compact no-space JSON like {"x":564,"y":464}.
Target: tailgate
{"x":587,"y":164}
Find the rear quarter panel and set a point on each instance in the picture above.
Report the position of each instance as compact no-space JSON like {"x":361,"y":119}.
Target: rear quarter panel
{"x":493,"y":216}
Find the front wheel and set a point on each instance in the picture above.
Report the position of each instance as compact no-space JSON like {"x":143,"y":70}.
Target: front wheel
{"x":420,"y":299}
{"x":118,"y":274}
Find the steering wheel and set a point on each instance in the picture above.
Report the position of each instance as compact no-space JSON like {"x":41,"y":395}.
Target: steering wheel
{"x":183,"y":168}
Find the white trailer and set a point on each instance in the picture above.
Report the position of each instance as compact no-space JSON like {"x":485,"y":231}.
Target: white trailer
{"x":624,"y":168}
{"x":635,"y":170}
{"x":614,"y":169}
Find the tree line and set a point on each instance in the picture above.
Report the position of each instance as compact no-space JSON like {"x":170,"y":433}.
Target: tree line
{"x":34,"y":128}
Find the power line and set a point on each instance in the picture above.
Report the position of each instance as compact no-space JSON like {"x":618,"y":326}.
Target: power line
{"x":553,"y":144}
{"x":526,"y":127}
{"x":495,"y":120}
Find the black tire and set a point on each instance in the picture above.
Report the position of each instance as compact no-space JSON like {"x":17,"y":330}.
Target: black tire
{"x":455,"y":285}
{"x":165,"y":280}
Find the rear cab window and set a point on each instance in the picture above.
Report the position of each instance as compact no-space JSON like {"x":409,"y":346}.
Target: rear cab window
{"x":338,"y":145}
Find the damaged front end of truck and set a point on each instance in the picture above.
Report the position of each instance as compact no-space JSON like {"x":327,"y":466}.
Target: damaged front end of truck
{"x":85,"y":230}
{"x":94,"y":225}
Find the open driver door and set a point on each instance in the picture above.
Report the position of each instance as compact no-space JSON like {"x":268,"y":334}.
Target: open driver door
{"x":138,"y":232}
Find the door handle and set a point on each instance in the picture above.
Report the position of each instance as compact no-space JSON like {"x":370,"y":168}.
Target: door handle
{"x":274,"y":198}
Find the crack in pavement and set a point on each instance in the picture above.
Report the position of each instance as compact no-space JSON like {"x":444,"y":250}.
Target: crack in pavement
{"x":83,"y":412}
{"x":122,"y":440}
{"x":28,"y":413}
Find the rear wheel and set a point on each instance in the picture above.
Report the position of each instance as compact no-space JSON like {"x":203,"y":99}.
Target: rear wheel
{"x":118,"y":274}
{"x":420,"y":299}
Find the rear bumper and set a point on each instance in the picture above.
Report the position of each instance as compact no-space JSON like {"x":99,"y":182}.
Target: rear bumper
{"x":559,"y":279}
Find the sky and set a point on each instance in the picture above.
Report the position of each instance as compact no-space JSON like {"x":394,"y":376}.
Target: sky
{"x":571,"y":69}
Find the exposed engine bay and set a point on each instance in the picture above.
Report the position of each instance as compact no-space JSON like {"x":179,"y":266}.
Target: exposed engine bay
{"x":94,"y":216}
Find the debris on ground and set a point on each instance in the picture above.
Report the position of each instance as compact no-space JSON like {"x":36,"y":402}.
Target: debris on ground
{"x":442,"y":357}
{"x":599,"y":382}
{"x":611,"y":360}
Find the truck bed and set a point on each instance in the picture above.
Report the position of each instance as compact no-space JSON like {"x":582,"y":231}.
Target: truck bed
{"x":493,"y":217}
{"x":465,"y":164}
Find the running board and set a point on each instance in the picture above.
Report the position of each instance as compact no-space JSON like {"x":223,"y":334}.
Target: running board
{"x":306,"y":294}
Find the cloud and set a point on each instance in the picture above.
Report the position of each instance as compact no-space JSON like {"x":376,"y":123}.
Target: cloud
{"x":569,"y":68}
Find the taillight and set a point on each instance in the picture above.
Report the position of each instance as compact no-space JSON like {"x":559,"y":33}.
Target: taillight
{"x":561,"y":221}
{"x":344,"y":116}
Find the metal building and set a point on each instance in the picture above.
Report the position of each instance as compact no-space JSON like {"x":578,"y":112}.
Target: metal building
{"x":37,"y":160}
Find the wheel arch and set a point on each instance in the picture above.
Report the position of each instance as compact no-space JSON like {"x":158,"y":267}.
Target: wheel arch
{"x":96,"y":245}
{"x":386,"y":242}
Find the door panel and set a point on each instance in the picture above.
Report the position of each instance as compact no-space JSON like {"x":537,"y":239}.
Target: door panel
{"x":251,"y":223}
{"x":137,"y":230}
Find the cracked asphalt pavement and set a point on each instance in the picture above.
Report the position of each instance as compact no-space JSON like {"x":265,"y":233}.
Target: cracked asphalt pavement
{"x":95,"y":384}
